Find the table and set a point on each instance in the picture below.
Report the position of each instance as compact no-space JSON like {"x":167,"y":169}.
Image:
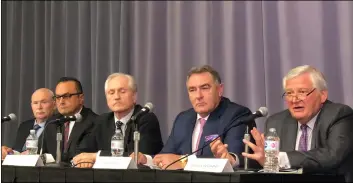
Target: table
{"x":53,"y":174}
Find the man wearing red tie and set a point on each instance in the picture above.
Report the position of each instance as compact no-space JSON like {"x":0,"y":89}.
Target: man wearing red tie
{"x":69,"y":98}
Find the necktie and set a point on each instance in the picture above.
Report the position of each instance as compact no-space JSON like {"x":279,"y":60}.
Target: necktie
{"x":303,"y":142}
{"x":66,"y":137}
{"x":36,"y":128}
{"x":118,"y":125}
{"x":202,"y":124}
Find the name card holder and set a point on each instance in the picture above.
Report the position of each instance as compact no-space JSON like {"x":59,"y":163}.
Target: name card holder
{"x":108,"y":162}
{"x":216,"y":165}
{"x":23,"y":160}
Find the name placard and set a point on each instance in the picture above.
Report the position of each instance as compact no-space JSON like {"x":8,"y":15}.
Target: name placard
{"x":216,"y":165}
{"x":23,"y":160}
{"x":108,"y":162}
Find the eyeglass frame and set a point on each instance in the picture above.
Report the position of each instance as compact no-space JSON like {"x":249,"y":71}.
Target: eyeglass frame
{"x":66,"y":96}
{"x":300,"y":97}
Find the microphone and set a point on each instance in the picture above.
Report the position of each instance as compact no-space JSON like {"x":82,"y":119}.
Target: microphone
{"x":10,"y":117}
{"x":147,"y":108}
{"x":76,"y":118}
{"x":262,"y":112}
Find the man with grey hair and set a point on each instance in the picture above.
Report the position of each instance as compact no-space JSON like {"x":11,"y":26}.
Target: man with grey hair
{"x":43,"y":106}
{"x":121,"y":94}
{"x":211,"y":115}
{"x":315,"y":133}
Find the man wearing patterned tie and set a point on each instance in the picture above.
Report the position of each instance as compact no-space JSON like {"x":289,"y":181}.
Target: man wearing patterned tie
{"x":43,"y":106}
{"x":69,"y":99}
{"x":121,"y":94}
{"x":211,"y":115}
{"x":315,"y":133}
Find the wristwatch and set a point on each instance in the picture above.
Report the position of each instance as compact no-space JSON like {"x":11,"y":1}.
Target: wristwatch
{"x":183,"y":160}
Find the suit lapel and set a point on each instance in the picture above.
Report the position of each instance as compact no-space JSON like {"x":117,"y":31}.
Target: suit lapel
{"x":77,"y":129}
{"x":189,"y":131}
{"x":289,"y":134}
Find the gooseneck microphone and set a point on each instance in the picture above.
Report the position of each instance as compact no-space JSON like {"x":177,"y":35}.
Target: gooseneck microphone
{"x":63,"y":119}
{"x":10,"y":117}
{"x":147,"y":108}
{"x":262,"y":112}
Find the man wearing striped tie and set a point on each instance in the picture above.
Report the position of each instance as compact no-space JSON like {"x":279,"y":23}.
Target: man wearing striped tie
{"x":315,"y":133}
{"x":43,"y":107}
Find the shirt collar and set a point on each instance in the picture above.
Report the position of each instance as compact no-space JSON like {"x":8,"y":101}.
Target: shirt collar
{"x":78,"y":113}
{"x":126,"y":118}
{"x":42,"y":124}
{"x":199,"y":117}
{"x":311,"y":123}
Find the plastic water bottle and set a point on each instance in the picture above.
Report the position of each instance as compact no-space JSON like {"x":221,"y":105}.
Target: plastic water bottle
{"x":117,"y":143}
{"x":32,"y":142}
{"x":271,"y":152}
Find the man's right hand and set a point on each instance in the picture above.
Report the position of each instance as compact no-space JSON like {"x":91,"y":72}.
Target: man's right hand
{"x":5,"y":151}
{"x":142,"y":159}
{"x":84,"y":160}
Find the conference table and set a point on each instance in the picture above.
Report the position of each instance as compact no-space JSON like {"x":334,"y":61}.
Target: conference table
{"x":59,"y":174}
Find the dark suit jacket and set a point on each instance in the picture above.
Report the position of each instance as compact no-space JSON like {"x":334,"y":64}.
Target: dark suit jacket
{"x":79,"y":130}
{"x":331,"y":144}
{"x":148,"y":125}
{"x":22,"y":134}
{"x":226,"y":114}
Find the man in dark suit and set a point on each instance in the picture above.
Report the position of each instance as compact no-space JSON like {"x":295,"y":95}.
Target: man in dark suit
{"x":121,"y":94}
{"x":43,"y":106}
{"x":69,"y":101}
{"x":211,"y":114}
{"x":315,"y":133}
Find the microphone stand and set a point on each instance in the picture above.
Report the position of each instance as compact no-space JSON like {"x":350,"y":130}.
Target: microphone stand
{"x":136,"y":142}
{"x":59,"y":137}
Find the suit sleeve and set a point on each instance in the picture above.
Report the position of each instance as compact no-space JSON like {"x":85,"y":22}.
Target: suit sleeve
{"x":337,"y":146}
{"x":171,"y":145}
{"x":150,"y":135}
{"x":19,"y":143}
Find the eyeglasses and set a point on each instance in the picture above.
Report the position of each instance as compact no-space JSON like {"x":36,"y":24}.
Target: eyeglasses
{"x":301,"y":94}
{"x":66,"y":96}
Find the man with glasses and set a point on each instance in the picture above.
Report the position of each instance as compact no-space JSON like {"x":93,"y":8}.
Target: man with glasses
{"x":69,"y":99}
{"x":43,"y":107}
{"x":315,"y":133}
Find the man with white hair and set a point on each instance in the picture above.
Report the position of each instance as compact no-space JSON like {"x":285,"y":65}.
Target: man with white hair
{"x":315,"y":133}
{"x":121,"y":94}
{"x":43,"y":106}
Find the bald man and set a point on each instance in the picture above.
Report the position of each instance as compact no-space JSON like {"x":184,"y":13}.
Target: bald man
{"x":43,"y":106}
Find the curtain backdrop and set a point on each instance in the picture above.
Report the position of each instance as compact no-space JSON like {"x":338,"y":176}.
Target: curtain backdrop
{"x":252,"y":44}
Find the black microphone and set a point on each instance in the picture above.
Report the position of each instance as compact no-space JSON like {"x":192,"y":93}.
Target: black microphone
{"x":262,"y":112}
{"x":63,"y":119}
{"x":10,"y":117}
{"x":77,"y":118}
{"x":147,"y":108}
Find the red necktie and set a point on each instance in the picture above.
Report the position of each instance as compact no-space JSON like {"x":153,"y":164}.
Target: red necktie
{"x":67,"y":130}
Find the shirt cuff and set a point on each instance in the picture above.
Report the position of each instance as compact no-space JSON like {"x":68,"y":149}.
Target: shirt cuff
{"x":283,"y":161}
{"x":149,"y":160}
{"x":236,"y":164}
{"x":98,"y":153}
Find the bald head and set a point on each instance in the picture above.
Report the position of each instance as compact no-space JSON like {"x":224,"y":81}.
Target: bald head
{"x":42,"y":104}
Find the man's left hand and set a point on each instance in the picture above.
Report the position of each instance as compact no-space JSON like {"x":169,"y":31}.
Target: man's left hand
{"x":220,"y":150}
{"x":163,"y":160}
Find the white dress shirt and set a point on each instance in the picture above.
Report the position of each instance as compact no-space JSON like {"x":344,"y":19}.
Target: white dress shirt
{"x":283,"y":160}
{"x":124,"y":120}
{"x":72,"y":123}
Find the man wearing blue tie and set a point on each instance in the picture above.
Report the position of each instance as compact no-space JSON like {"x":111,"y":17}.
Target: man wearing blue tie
{"x":43,"y":106}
